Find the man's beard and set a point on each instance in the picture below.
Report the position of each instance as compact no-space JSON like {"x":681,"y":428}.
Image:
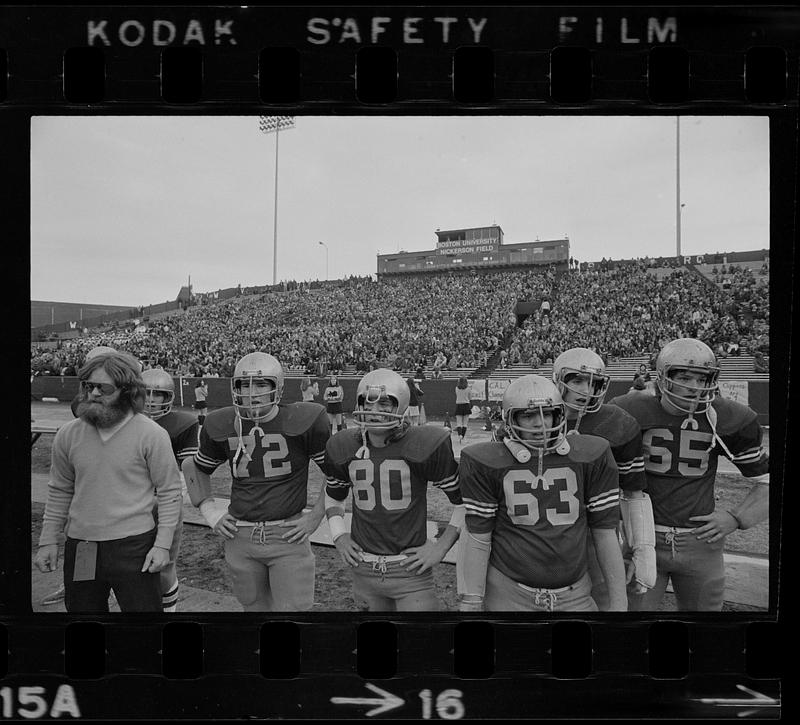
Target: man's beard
{"x":101,"y":415}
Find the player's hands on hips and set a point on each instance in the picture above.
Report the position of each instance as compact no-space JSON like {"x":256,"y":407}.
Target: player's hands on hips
{"x":717,"y":525}
{"x":46,"y":559}
{"x":301,"y":528}
{"x":226,"y":526}
{"x":422,"y":558}
{"x":348,"y":550}
{"x":156,"y":559}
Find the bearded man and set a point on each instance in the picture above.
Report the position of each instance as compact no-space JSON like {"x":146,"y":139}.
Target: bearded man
{"x":107,"y":466}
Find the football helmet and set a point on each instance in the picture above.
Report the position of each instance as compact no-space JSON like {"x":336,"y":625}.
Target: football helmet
{"x":158,"y":380}
{"x":535,"y":393}
{"x":581,"y":360}
{"x":381,"y":383}
{"x":687,"y":354}
{"x":254,"y":367}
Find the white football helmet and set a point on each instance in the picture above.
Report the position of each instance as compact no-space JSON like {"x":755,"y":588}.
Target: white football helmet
{"x":158,"y":380}
{"x":377,"y":385}
{"x":535,"y":393}
{"x":252,"y":368}
{"x":582,"y":361}
{"x":687,"y":354}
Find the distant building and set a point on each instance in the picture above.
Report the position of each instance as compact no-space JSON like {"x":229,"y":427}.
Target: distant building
{"x":474,"y":248}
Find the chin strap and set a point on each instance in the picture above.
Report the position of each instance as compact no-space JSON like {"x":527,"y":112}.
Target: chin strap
{"x":363,"y":451}
{"x":242,"y":458}
{"x":711,"y":416}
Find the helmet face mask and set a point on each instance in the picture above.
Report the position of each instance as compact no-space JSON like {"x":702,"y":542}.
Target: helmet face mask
{"x":698,"y":364}
{"x":256,"y":385}
{"x":159,"y":383}
{"x":575,"y":367}
{"x":375,"y":391}
{"x":534,"y":394}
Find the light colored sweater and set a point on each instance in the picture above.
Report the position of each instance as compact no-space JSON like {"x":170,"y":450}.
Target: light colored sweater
{"x":104,"y":490}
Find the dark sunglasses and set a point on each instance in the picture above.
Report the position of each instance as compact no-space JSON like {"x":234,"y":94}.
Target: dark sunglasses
{"x":104,"y":388}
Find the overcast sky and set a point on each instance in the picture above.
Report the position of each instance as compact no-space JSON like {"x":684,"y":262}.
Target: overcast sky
{"x":124,"y":209}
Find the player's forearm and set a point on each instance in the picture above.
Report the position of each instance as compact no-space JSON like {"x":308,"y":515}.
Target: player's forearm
{"x":472,"y":563}
{"x":755,"y":507}
{"x":609,"y":557}
{"x":334,"y":511}
{"x":198,"y":483}
{"x":318,"y":509}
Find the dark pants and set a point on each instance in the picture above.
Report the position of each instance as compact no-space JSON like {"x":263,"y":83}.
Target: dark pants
{"x":119,"y":567}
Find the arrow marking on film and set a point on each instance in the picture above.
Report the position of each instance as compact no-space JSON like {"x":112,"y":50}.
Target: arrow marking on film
{"x":755,"y":701}
{"x":387,"y":701}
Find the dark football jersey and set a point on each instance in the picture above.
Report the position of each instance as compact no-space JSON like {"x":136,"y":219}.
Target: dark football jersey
{"x":681,"y":464}
{"x":539,"y":526}
{"x":182,"y":429}
{"x":273,"y":483}
{"x":390,"y":488}
{"x":624,"y":435}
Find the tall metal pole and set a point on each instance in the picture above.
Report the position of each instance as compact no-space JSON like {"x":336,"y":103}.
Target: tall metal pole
{"x":678,"y":185}
{"x":275,"y":215}
{"x":275,"y":124}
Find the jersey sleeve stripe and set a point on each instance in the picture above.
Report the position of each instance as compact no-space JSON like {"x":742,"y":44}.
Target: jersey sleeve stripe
{"x":448,"y":484}
{"x":186,"y":453}
{"x":752,"y":454}
{"x":336,"y":483}
{"x":318,"y":457}
{"x":207,"y":463}
{"x":635,"y":464}
{"x":603,"y":507}
{"x":600,"y":497}
{"x":446,"y":480}
{"x":472,"y":511}
{"x":480,"y":505}
{"x":598,"y":503}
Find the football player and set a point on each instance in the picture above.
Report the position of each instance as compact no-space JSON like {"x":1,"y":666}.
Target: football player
{"x":580,"y":375}
{"x":685,"y":428}
{"x":268,"y":446}
{"x":182,"y":429}
{"x":524,"y":548}
{"x":387,"y":464}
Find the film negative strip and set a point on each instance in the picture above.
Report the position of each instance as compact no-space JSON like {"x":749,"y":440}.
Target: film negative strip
{"x":108,"y":115}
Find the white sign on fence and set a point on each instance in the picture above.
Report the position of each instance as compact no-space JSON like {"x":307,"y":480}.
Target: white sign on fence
{"x":477,"y":390}
{"x":734,"y":390}
{"x":497,"y":388}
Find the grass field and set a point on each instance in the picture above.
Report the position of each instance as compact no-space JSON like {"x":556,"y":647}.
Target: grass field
{"x":201,"y":562}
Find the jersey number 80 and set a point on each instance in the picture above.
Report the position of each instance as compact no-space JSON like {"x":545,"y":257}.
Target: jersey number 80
{"x":365,"y":493}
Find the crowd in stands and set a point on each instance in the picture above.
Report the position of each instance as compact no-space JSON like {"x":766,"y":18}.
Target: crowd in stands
{"x":445,"y":322}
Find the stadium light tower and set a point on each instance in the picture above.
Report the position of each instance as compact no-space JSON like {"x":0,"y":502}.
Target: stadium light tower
{"x":326,"y":260}
{"x":275,"y":124}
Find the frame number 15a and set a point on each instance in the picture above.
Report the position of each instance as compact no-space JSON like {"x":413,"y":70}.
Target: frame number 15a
{"x":30,"y":702}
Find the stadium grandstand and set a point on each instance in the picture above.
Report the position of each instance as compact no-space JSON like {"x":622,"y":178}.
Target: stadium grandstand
{"x":485,"y":320}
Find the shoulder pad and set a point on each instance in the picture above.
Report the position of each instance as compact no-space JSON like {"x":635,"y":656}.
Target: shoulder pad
{"x":219,"y":422}
{"x":420,"y":441}
{"x":297,"y":418}
{"x":585,"y":448}
{"x":492,"y":454}
{"x":343,"y":445}
{"x":611,"y":422}
{"x":641,"y":407}
{"x":731,"y":415}
{"x":176,"y":421}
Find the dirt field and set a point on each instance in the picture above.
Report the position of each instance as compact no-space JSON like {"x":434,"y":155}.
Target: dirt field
{"x":201,"y":562}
